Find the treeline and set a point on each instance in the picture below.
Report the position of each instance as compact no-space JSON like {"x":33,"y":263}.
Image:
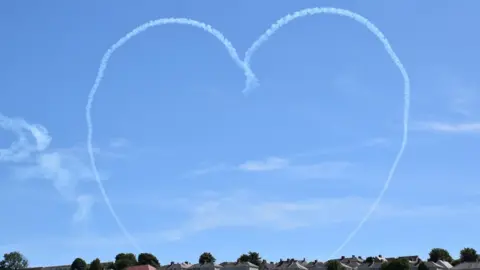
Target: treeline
{"x":15,"y":261}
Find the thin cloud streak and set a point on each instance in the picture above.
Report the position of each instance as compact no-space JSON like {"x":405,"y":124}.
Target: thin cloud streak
{"x":230,"y":211}
{"x":85,"y":204}
{"x":471,"y":127}
{"x":269,"y":164}
{"x":321,"y":170}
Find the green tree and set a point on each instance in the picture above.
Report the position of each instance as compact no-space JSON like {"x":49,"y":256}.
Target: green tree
{"x":110,"y":266}
{"x":396,"y":264}
{"x":124,"y":260}
{"x":95,"y":265}
{"x":456,"y":262}
{"x":422,"y":266}
{"x":334,"y":265}
{"x":13,"y":261}
{"x":468,"y":255}
{"x":369,"y":260}
{"x":439,"y":254}
{"x":243,"y":258}
{"x":148,"y":258}
{"x":78,"y":264}
{"x":252,"y":257}
{"x":206,"y":257}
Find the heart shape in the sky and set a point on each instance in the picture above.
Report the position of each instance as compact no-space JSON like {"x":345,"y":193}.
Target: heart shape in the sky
{"x":250,"y":83}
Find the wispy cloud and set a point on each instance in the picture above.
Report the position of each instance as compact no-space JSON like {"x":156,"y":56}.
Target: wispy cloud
{"x":245,"y":209}
{"x":85,"y":204}
{"x":269,"y":164}
{"x":210,"y":169}
{"x":464,"y":99}
{"x":31,"y":157}
{"x":118,"y":143}
{"x":64,"y":168}
{"x":31,"y":138}
{"x":471,"y":127}
{"x":327,"y":169}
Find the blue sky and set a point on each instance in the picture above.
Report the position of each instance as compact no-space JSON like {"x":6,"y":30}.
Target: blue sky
{"x":191,"y":165}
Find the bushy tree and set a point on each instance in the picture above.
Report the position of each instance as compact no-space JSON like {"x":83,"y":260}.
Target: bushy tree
{"x":396,"y":264}
{"x":437,"y":254}
{"x":369,"y":260}
{"x":334,"y":265}
{"x":110,"y":266}
{"x":243,"y":258}
{"x":148,"y":258}
{"x":468,"y":255}
{"x":206,"y":257}
{"x":422,"y":266}
{"x":124,"y":260}
{"x":254,"y":257}
{"x":13,"y":261}
{"x":78,"y":264}
{"x":95,"y":265}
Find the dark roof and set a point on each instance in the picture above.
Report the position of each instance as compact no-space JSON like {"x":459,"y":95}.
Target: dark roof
{"x":467,"y":265}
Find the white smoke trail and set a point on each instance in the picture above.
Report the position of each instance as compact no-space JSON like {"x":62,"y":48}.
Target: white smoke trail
{"x":364,"y":21}
{"x":251,"y":81}
{"x":22,"y":148}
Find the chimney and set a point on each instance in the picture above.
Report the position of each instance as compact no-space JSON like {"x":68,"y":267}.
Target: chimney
{"x":343,"y":257}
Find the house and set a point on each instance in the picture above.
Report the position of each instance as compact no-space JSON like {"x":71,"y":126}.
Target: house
{"x":267,"y":265}
{"x":62,"y":267}
{"x":178,"y":266}
{"x":377,"y":265}
{"x":364,"y":266}
{"x":444,"y":264}
{"x":57,"y":267}
{"x":240,"y":266}
{"x":351,"y":262}
{"x":141,"y":267}
{"x":467,"y":266}
{"x":316,"y":265}
{"x":432,"y":266}
{"x":413,"y":259}
{"x":206,"y":266}
{"x":290,"y":264}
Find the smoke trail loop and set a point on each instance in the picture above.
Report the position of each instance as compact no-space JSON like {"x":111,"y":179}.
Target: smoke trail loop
{"x":250,"y":83}
{"x":406,"y":88}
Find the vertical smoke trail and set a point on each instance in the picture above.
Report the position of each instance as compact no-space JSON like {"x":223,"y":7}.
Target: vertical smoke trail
{"x":343,"y":12}
{"x":101,"y":70}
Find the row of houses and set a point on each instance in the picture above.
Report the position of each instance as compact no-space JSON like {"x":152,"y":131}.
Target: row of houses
{"x":350,"y":263}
